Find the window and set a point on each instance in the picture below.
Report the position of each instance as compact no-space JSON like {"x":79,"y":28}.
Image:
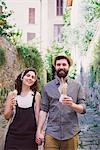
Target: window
{"x":57,"y":32}
{"x":31,"y":15}
{"x":59,"y":7}
{"x":69,"y":3}
{"x":30,"y":36}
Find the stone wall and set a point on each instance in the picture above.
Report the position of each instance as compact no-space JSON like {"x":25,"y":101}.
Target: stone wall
{"x":12,"y":67}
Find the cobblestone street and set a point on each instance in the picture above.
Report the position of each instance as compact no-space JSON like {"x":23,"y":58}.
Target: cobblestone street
{"x":90,"y":130}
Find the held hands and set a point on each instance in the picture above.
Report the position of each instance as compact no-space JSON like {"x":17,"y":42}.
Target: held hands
{"x":39,"y":137}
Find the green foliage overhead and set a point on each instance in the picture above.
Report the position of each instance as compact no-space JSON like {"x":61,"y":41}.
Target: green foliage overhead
{"x":92,"y":10}
{"x":31,"y":57}
{"x":6,"y":29}
{"x":2,"y":57}
{"x":67,"y":15}
{"x":82,"y":33}
{"x":4,"y":25}
{"x":72,"y":72}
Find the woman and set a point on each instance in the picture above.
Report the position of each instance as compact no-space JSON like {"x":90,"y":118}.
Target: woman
{"x":26,"y":105}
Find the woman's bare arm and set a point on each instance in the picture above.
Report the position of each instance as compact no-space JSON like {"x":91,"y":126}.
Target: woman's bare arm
{"x":37,"y":106}
{"x":9,"y":105}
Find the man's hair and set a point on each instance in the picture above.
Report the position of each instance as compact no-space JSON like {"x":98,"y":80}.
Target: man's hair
{"x":61,"y":57}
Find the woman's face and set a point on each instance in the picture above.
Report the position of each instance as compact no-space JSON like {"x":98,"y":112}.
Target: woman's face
{"x":29,"y":78}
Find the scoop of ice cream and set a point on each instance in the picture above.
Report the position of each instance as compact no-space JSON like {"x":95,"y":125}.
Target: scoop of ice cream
{"x":15,"y":93}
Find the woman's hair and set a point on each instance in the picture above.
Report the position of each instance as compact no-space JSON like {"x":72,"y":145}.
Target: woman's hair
{"x":18,"y":81}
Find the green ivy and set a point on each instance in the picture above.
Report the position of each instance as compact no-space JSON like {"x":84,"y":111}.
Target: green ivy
{"x":93,"y":9}
{"x":30,"y":57}
{"x":82,"y":34}
{"x":2,"y":57}
{"x":72,"y":72}
{"x":6,"y":29}
{"x":3,"y":93}
{"x":67,"y":15}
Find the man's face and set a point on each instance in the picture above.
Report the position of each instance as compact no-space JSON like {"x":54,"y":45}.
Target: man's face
{"x":62,"y":68}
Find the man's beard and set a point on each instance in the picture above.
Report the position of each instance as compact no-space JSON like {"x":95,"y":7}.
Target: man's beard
{"x":62,"y":73}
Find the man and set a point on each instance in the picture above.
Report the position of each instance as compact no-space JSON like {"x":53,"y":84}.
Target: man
{"x":62,"y":99}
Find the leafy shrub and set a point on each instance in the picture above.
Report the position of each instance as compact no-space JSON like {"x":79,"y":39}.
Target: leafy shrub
{"x":95,"y":66}
{"x":2,"y":57}
{"x":7,"y":29}
{"x":31,"y":57}
{"x":3,"y":94}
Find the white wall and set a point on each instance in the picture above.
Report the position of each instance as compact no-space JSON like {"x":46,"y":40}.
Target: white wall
{"x":52,"y":19}
{"x":21,"y":14}
{"x":45,"y":11}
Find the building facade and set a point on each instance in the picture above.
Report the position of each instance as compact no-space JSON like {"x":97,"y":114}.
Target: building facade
{"x":41,"y":20}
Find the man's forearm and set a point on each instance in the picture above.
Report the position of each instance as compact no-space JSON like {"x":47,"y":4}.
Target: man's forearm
{"x":78,"y":108}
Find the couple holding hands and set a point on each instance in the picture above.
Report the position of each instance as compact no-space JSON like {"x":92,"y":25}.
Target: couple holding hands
{"x":62,"y":99}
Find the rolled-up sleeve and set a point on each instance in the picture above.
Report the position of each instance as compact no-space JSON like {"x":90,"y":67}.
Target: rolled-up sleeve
{"x":45,"y":101}
{"x":81,"y":98}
